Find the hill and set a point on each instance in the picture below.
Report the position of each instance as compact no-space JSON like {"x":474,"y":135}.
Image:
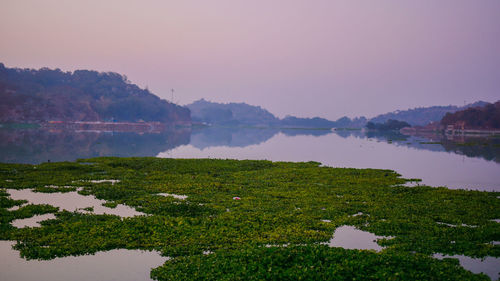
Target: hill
{"x":423,"y":115}
{"x":242,"y":114}
{"x":232,"y":114}
{"x":389,"y":125}
{"x":34,"y":96}
{"x":316,"y":122}
{"x":485,"y":117}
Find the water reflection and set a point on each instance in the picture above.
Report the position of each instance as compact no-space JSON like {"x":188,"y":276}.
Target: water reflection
{"x":242,"y":137}
{"x":485,"y":147}
{"x":349,"y":237}
{"x":120,"y":264}
{"x":230,"y":137}
{"x":34,"y":221}
{"x":488,"y":265}
{"x":72,"y":201}
{"x":41,"y":145}
{"x":456,"y":162}
{"x":35,"y":146}
{"x":438,"y":162}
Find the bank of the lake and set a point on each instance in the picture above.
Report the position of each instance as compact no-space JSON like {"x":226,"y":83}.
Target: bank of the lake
{"x":227,"y":219}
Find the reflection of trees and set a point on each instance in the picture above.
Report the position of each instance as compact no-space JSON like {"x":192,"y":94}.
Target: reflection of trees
{"x":471,"y":146}
{"x":305,"y":132}
{"x":379,"y":135}
{"x":36,"y":146}
{"x":230,"y":136}
{"x":348,"y":133}
{"x":387,"y":135}
{"x":486,"y":148}
{"x":241,"y":136}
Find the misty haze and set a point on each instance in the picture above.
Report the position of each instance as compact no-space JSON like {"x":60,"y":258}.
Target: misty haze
{"x":260,"y":140}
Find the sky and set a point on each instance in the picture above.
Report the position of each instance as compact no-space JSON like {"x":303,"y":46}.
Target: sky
{"x":322,"y":58}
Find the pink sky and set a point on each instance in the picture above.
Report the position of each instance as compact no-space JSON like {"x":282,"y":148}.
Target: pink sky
{"x":306,"y":58}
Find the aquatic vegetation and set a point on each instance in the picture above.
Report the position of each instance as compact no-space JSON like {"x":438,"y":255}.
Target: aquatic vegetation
{"x":297,"y":204}
{"x":111,"y":205}
{"x":54,"y":188}
{"x":312,"y":262}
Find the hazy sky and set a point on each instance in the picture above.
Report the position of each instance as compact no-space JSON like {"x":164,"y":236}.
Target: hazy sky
{"x":306,"y":58}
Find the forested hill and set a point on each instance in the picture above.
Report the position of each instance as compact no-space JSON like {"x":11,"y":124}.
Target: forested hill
{"x":30,"y":95}
{"x":242,"y":114}
{"x":423,"y":115}
{"x":481,"y":117}
{"x":231,"y":114}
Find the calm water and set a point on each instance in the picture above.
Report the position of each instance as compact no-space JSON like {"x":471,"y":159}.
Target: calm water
{"x":130,"y":265}
{"x":472,"y":163}
{"x":461,"y":163}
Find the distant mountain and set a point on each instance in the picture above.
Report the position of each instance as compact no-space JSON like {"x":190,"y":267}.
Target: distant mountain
{"x":242,"y":114}
{"x":316,"y":122}
{"x":231,"y":114}
{"x":423,"y":115}
{"x":34,"y":96}
{"x":389,"y":125}
{"x":485,"y":117}
{"x":346,"y":122}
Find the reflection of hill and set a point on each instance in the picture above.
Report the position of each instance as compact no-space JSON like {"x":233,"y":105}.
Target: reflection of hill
{"x":242,"y":137}
{"x":487,"y":148}
{"x":232,"y":137}
{"x":307,"y":132}
{"x":348,"y":133}
{"x":36,"y":146}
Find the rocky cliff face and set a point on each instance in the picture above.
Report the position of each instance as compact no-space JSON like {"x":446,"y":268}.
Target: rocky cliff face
{"x":46,"y":95}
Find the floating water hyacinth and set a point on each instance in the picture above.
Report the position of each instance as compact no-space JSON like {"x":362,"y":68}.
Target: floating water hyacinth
{"x":181,"y":209}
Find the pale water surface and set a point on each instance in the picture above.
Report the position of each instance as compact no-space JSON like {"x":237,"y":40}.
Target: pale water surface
{"x":72,"y":201}
{"x":114,"y":265}
{"x":423,"y":161}
{"x":489,"y":265}
{"x":349,"y":237}
{"x":34,"y":221}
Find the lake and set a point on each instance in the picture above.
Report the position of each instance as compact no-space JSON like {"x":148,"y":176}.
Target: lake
{"x":459,"y":162}
{"x":455,"y":162}
{"x":471,"y":163}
